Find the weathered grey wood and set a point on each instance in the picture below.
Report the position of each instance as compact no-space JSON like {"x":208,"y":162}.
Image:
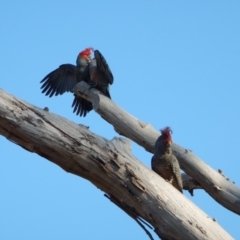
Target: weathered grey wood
{"x":110,"y":166}
{"x":189,"y":183}
{"x":223,"y":191}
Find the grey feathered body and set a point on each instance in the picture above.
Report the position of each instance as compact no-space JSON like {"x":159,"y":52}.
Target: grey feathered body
{"x":166,"y":164}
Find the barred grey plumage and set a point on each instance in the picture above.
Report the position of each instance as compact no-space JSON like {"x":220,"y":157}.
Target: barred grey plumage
{"x":164,"y":162}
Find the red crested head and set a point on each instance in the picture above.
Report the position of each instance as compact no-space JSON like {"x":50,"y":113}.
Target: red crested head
{"x":86,"y":53}
{"x":166,"y":134}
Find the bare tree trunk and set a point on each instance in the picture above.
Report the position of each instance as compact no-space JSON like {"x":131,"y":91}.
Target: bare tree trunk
{"x":110,"y":166}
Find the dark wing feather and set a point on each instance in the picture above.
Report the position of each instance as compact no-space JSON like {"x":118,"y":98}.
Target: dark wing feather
{"x":59,"y":81}
{"x":81,"y":106}
{"x":103,"y":66}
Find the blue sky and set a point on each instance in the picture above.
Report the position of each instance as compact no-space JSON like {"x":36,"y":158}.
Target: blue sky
{"x":175,"y":63}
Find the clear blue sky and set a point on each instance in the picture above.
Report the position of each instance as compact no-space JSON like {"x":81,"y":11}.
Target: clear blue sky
{"x":175,"y":63}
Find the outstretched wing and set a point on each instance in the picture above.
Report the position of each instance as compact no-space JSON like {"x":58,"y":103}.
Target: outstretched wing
{"x":59,"y":81}
{"x":103,"y":66}
{"x":177,"y":179}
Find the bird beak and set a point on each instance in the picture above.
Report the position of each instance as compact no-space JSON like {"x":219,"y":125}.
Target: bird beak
{"x":89,"y":58}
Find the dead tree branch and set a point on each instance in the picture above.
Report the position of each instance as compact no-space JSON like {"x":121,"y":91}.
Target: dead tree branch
{"x":223,"y":191}
{"x":110,"y":166}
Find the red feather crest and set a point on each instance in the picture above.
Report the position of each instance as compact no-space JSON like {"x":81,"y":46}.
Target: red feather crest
{"x":166,"y":134}
{"x":86,"y":52}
